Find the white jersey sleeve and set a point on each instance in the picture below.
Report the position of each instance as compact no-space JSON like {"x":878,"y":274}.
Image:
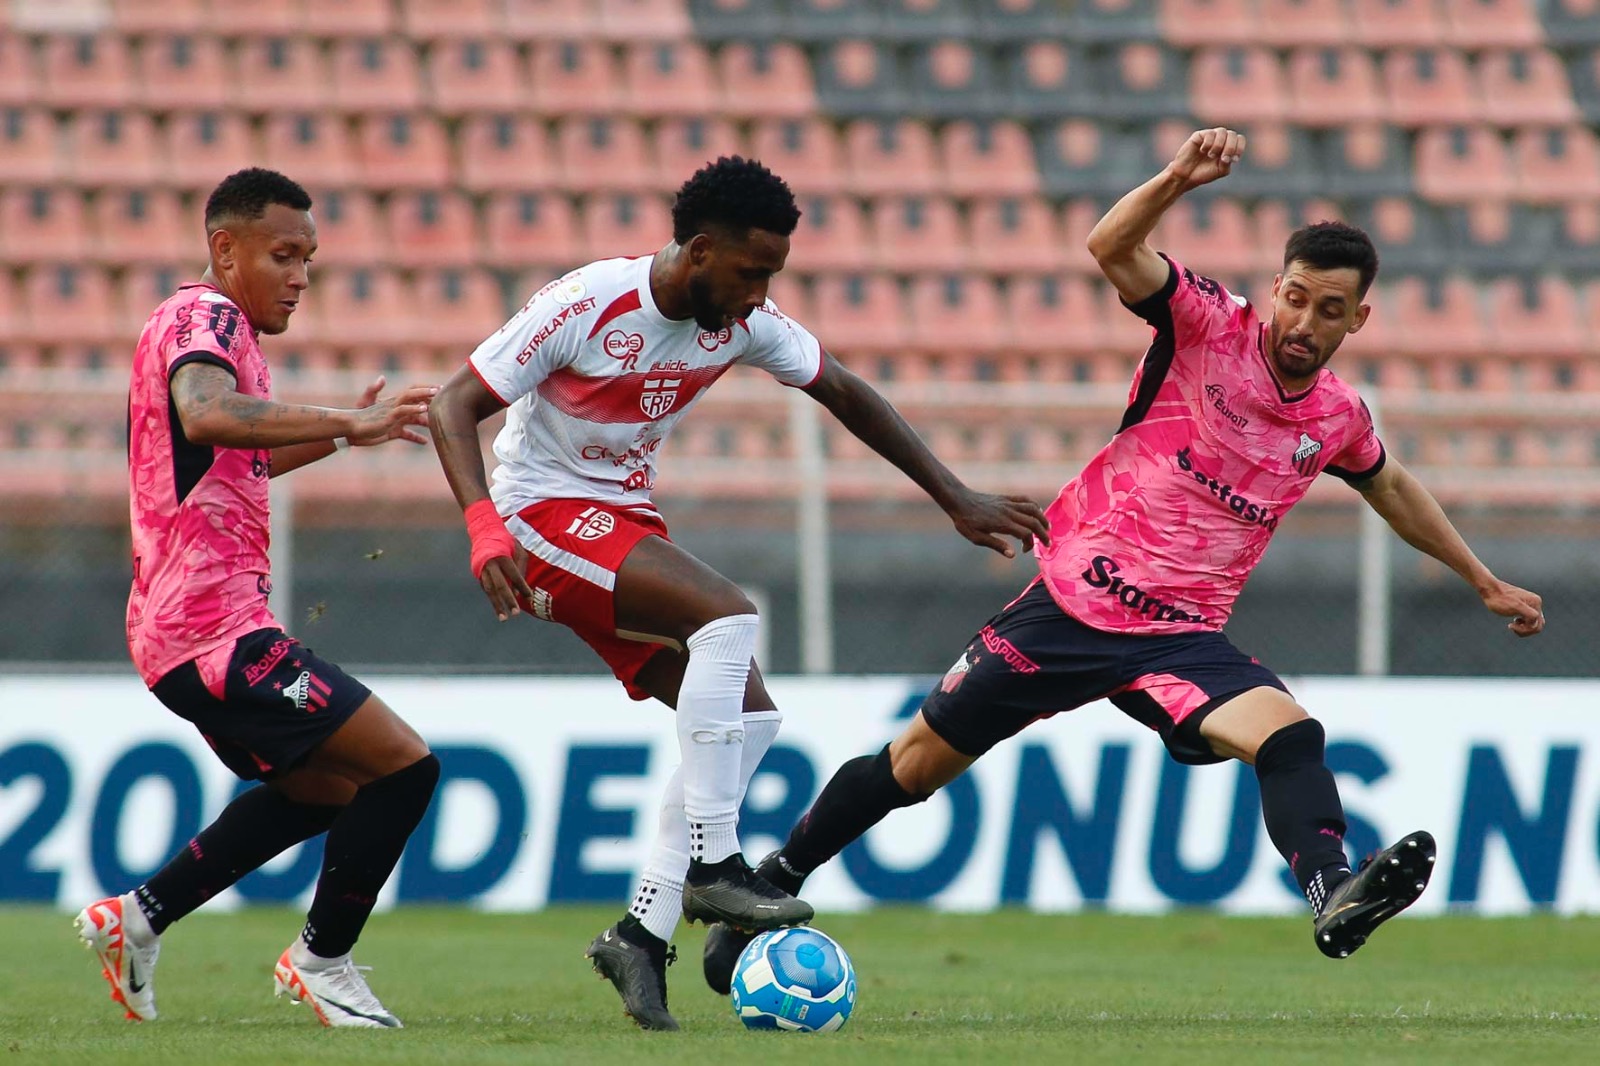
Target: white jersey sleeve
{"x":782,"y":347}
{"x":546,"y":335}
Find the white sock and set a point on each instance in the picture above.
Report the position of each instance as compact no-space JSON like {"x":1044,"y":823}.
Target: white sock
{"x":711,"y":732}
{"x":658,"y":903}
{"x":135,"y":926}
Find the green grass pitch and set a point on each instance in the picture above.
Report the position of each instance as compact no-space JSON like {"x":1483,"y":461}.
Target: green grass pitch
{"x":1008,"y":987}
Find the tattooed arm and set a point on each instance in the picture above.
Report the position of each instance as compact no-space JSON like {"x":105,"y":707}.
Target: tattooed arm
{"x":215,"y":413}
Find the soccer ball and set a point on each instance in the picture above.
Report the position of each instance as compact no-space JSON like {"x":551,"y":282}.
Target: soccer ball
{"x":797,"y":980}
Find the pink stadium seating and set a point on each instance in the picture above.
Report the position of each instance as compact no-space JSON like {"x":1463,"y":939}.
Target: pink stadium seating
{"x":624,"y":225}
{"x":1016,"y":235}
{"x":1433,"y":324}
{"x":1525,"y":87}
{"x":807,"y":153}
{"x":144,"y":226}
{"x":891,"y":157}
{"x":668,"y":78}
{"x":256,"y":18}
{"x":916,"y":234}
{"x":575,"y":78}
{"x":1474,"y":24}
{"x":29,"y":152}
{"x":456,"y":308}
{"x":474,"y":75}
{"x":1215,"y":237}
{"x":429,"y":20}
{"x":136,"y":17}
{"x":604,"y":154}
{"x":1078,"y":219}
{"x":644,"y":20}
{"x":1238,"y":85}
{"x":506,"y":153}
{"x":1335,"y":87}
{"x":371,"y":74}
{"x":769,"y":80}
{"x":311,"y":149}
{"x":532,"y":229}
{"x":348,"y":18}
{"x":71,"y":303}
{"x":350,"y":229}
{"x":1460,"y":164}
{"x":1300,"y":23}
{"x":43,"y":225}
{"x":363,"y":306}
{"x":1430,"y":86}
{"x":832,"y":235}
{"x":546,"y":20}
{"x":432,"y":228}
{"x":684,"y":145}
{"x":88,"y":71}
{"x":1556,"y":165}
{"x":19,"y":75}
{"x":1550,"y":324}
{"x":860,"y":314}
{"x":1397,"y":23}
{"x":1056,"y":314}
{"x":403,"y":151}
{"x":116,"y":148}
{"x":205,"y":147}
{"x":279,"y":74}
{"x":1203,"y":23}
{"x":957,"y":314}
{"x":988,"y":159}
{"x":184,"y":74}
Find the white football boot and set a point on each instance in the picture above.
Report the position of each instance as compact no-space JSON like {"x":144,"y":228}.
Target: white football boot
{"x":334,"y":988}
{"x":116,"y":930}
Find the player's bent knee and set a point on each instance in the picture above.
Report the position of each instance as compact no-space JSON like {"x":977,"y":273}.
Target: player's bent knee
{"x":1301,"y":743}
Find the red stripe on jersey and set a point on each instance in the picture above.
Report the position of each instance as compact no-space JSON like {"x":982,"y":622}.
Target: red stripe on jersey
{"x":630,"y":398}
{"x":628,"y":301}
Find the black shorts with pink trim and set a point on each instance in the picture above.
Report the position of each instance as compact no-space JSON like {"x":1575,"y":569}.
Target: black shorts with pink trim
{"x":1033,"y":660}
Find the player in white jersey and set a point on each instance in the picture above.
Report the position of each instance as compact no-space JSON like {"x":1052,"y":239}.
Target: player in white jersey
{"x":596,"y":369}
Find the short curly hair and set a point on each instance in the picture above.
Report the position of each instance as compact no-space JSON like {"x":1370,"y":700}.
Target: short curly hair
{"x":737,"y":194}
{"x":1331,"y":245}
{"x":244,"y":195}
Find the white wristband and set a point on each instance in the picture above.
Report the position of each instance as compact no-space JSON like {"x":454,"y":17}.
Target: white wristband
{"x":341,"y":444}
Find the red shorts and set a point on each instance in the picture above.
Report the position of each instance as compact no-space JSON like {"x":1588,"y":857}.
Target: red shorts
{"x":575,"y":548}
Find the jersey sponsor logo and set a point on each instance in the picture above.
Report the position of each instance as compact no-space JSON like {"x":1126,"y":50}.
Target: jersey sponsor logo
{"x":656,"y":395}
{"x":1305,"y":455}
{"x":1100,"y":576}
{"x":258,"y":670}
{"x":592,"y":523}
{"x":1002,"y":647}
{"x":712,"y":341}
{"x":620,"y":344}
{"x":546,"y":331}
{"x":1239,"y":505}
{"x":669,"y":366}
{"x":224,"y":324}
{"x":1212,"y":289}
{"x":308,"y":692}
{"x":634,"y":456}
{"x":1219,"y":400}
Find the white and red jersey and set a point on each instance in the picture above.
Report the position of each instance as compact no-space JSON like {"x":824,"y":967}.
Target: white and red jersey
{"x":595,"y":378}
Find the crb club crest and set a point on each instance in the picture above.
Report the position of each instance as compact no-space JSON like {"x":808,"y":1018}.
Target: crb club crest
{"x":625,"y":346}
{"x":1305,"y":455}
{"x":657,"y":396}
{"x":592,"y":524}
{"x":712,"y":341}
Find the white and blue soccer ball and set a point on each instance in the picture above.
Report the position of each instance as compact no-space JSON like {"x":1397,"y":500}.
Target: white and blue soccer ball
{"x":797,"y":980}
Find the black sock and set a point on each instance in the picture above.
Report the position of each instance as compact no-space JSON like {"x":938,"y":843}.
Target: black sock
{"x":257,"y":826}
{"x":1300,"y":804}
{"x":853,"y":801}
{"x":633,"y":931}
{"x":363,"y":846}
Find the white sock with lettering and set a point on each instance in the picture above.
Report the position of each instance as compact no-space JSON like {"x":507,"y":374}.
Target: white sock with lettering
{"x":711,"y":732}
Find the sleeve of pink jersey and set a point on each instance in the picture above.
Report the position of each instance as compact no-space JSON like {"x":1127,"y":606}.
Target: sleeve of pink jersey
{"x":539,"y":339}
{"x":208,"y":330}
{"x":1190,"y":306}
{"x":782,"y":347}
{"x":1362,"y":455}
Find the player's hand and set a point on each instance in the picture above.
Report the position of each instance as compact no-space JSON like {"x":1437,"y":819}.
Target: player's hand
{"x":503,"y":582}
{"x":1206,"y":156}
{"x":1525,"y":609}
{"x":984,"y":519}
{"x":383,"y":420}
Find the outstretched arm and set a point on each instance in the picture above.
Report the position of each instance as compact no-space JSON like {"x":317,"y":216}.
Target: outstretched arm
{"x":1412,"y":512}
{"x":980,"y":517}
{"x":294,"y":456}
{"x":1119,"y":242}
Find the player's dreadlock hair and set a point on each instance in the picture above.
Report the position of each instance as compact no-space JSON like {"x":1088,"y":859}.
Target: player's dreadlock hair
{"x":1331,"y":245}
{"x":736,"y":193}
{"x":244,"y":195}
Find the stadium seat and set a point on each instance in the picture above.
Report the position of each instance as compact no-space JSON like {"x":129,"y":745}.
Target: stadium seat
{"x":116,"y":148}
{"x":624,"y":225}
{"x":765,"y":80}
{"x":860,"y":313}
{"x":886,"y":156}
{"x":954,"y":79}
{"x":1208,"y":23}
{"x":1126,"y":333}
{"x":550,"y":20}
{"x":684,"y":145}
{"x":184,"y":73}
{"x":1576,"y":247}
{"x":1495,"y":237}
{"x":1078,"y":219}
{"x":143,"y":226}
{"x":403,"y":151}
{"x":88,"y":71}
{"x":832,"y":236}
{"x":364,"y":306}
{"x":1410,"y":233}
{"x":1282,"y":160}
{"x":1430,"y":86}
{"x":1397,"y":23}
{"x":456,"y":308}
{"x":575,"y":78}
{"x":1055,"y":315}
{"x":1299,"y":23}
{"x":139,"y":17}
{"x":1475,"y":24}
{"x":1536,"y":317}
{"x":144,"y":288}
{"x":792,"y":295}
{"x":917,"y":234}
{"x":1046,"y":79}
{"x":373,"y":75}
{"x":1080,"y":157}
{"x":350,"y":229}
{"x":506,"y":153}
{"x":527,"y":229}
{"x":1366,"y":160}
{"x":71,"y":304}
{"x":281,"y":74}
{"x":1335,"y":87}
{"x":1460,"y":164}
{"x":1238,"y":85}
{"x":987,"y":159}
{"x":1116,"y":21}
{"x":252,"y":18}
{"x":859,"y":77}
{"x":430,"y":20}
{"x":29,"y":152}
{"x":1437,"y":317}
{"x":1573,"y":24}
{"x":668,"y":78}
{"x":206,"y":146}
{"x":1021,"y":20}
{"x":736,"y":20}
{"x":830,"y":20}
{"x":477,"y":75}
{"x":1143,"y":80}
{"x":40,"y":224}
{"x":1556,"y":164}
{"x":1525,"y":87}
{"x":923,"y":21}
{"x":19,"y":72}
{"x":645,"y":20}
{"x":432,"y":228}
{"x":311,"y":149}
{"x":1215,"y":237}
{"x":348,"y":18}
{"x":807,"y":153}
{"x":1016,"y":235}
{"x":957,"y":314}
{"x":604,"y":154}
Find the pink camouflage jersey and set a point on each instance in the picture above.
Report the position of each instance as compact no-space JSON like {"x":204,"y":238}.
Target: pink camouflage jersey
{"x":1160,"y":531}
{"x":200,"y":518}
